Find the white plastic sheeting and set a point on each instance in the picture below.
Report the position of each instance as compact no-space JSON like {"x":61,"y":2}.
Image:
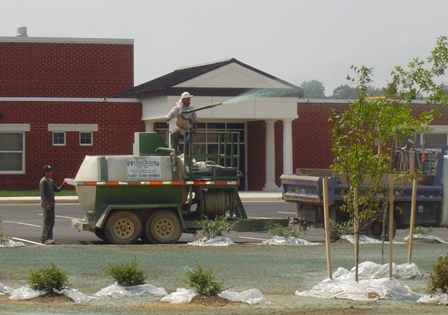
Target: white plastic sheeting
{"x":426,"y":237}
{"x":182,"y":295}
{"x":434,"y":299}
{"x":117,"y":290}
{"x":113,"y":291}
{"x":372,"y":283}
{"x":216,"y":241}
{"x":371,"y":270}
{"x":364,"y":239}
{"x":25,"y":293}
{"x":5,"y":290}
{"x":251,"y":296}
{"x":282,"y":240}
{"x":10,"y":243}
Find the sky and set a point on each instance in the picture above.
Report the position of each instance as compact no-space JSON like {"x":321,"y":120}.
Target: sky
{"x":294,"y":40}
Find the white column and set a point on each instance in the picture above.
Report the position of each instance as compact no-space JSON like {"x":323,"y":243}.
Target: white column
{"x":270,"y":157}
{"x":287,"y":146}
{"x":149,"y":126}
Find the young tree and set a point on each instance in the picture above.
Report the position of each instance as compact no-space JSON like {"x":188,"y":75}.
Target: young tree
{"x":362,"y":135}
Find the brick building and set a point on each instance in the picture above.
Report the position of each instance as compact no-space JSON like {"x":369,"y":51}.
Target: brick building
{"x":64,"y":98}
{"x":55,"y":105}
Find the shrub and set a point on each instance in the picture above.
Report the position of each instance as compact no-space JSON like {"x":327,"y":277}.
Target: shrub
{"x":127,"y":273}
{"x":420,"y":230}
{"x":343,"y":227}
{"x":48,"y":278}
{"x":296,"y":230}
{"x":438,"y":279}
{"x":203,"y":281}
{"x":214,"y":228}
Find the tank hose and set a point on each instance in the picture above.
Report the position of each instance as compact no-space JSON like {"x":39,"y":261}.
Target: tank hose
{"x":216,"y":202}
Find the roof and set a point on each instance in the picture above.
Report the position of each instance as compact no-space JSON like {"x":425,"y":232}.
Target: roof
{"x":164,"y":85}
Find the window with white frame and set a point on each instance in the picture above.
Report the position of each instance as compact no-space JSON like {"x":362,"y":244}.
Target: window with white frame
{"x":86,"y":138}
{"x":12,"y":148}
{"x":85,"y":132}
{"x":58,"y":138}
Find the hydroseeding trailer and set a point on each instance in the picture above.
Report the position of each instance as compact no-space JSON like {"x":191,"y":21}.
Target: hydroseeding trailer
{"x":156,"y":195}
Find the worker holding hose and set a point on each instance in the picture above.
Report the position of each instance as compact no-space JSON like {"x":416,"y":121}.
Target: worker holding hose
{"x":186,"y":123}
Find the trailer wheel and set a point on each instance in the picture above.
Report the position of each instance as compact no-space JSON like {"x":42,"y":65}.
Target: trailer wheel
{"x":163,"y":227}
{"x":123,"y":227}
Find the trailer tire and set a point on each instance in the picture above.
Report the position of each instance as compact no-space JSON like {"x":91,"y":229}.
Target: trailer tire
{"x":123,"y":227}
{"x":163,"y":227}
{"x":376,"y":229}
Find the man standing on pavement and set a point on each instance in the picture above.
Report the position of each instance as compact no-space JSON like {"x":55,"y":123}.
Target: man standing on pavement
{"x":47,"y":188}
{"x":185,"y":123}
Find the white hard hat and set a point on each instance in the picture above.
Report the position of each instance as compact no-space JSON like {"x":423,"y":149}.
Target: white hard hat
{"x":186,"y":95}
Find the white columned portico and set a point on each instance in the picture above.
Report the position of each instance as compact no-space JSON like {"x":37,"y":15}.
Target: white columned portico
{"x":287,"y":146}
{"x":270,"y":157}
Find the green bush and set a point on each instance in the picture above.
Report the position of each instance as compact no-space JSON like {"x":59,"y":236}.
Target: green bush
{"x":420,"y":230}
{"x":214,"y":228}
{"x":296,"y":230}
{"x":127,"y":273}
{"x":343,"y":227}
{"x":203,"y":281}
{"x":438,"y":279}
{"x":48,"y":278}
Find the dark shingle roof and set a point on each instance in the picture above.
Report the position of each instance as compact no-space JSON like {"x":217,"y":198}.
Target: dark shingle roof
{"x":164,"y":85}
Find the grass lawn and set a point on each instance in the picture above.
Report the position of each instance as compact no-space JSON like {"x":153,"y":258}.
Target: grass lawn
{"x":32,"y":193}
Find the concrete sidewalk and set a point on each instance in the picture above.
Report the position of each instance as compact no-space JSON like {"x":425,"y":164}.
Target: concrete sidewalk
{"x":244,"y":195}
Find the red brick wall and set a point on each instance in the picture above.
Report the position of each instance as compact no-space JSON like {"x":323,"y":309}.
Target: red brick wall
{"x":311,"y":132}
{"x":311,"y":135}
{"x":256,"y":155}
{"x":65,"y":69}
{"x":117,"y":123}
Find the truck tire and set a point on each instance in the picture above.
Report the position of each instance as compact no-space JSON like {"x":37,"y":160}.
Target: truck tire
{"x":123,"y":227}
{"x":163,"y":227}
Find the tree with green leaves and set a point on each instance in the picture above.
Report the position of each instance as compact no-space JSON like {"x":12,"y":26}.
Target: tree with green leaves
{"x":345,"y":92}
{"x":363,"y":136}
{"x":313,"y":89}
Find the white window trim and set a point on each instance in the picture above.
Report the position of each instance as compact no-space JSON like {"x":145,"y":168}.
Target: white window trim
{"x":73,"y":127}
{"x":58,"y":144}
{"x":16,"y":128}
{"x":91,"y":138}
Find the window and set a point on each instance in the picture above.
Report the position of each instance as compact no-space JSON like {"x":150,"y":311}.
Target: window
{"x":85,"y":138}
{"x":12,"y":152}
{"x":58,"y":138}
{"x":85,"y":133}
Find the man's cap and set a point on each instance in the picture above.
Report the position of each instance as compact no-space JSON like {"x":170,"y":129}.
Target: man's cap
{"x":47,"y":168}
{"x":186,"y":95}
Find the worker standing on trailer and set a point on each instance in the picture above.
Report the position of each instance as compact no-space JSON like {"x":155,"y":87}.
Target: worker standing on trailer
{"x":186,"y":123}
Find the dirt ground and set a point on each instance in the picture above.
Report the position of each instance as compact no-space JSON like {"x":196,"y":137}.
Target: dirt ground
{"x":277,"y":271}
